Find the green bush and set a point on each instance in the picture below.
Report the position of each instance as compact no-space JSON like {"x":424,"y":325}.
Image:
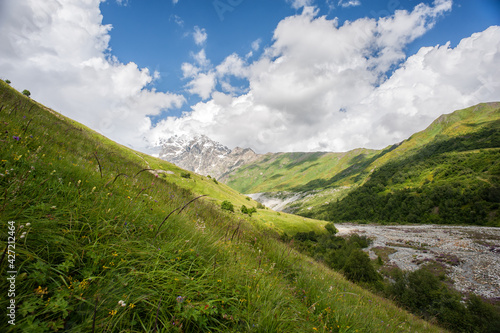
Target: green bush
{"x":330,"y":227}
{"x":358,"y":267}
{"x":227,"y":205}
{"x":186,"y":175}
{"x":248,"y":211}
{"x":26,"y":93}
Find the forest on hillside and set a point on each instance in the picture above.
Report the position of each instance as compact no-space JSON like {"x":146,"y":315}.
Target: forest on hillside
{"x":449,"y":181}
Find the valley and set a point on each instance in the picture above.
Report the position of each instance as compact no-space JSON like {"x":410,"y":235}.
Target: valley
{"x":111,"y":239}
{"x":448,"y":173}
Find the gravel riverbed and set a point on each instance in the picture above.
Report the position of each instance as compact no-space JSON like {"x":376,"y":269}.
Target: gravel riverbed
{"x":469,"y":254}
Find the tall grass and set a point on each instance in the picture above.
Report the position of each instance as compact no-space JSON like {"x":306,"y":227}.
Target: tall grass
{"x":92,"y":259}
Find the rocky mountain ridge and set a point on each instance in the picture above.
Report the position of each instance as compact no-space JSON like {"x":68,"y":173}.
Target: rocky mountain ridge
{"x":203,"y":155}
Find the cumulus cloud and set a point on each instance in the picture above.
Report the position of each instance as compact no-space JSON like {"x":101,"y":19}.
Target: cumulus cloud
{"x":202,"y":84}
{"x":58,"y":49}
{"x":323,"y":86}
{"x":199,"y":35}
{"x":349,"y":3}
{"x":320,"y":85}
{"x":297,"y":4}
{"x":256,"y":44}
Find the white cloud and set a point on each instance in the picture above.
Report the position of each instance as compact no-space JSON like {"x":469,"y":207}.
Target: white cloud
{"x":233,"y":65}
{"x":202,"y":84}
{"x":178,"y":20}
{"x":297,"y":4}
{"x":321,"y":86}
{"x":256,"y":44}
{"x":200,"y":35}
{"x":318,"y":86}
{"x":175,"y":1}
{"x":349,"y":3}
{"x":57,"y":49}
{"x":201,"y":58}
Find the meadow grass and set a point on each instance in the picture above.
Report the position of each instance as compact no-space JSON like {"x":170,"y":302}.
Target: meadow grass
{"x":95,"y":253}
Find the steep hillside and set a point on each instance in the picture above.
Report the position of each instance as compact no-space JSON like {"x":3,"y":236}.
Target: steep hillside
{"x":314,"y":182}
{"x":105,"y":239}
{"x":454,"y":178}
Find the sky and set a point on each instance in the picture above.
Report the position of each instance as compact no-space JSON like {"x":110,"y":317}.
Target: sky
{"x":279,"y":75}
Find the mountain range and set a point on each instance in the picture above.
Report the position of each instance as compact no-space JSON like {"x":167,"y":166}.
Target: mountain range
{"x":204,"y":156}
{"x":465,"y":143}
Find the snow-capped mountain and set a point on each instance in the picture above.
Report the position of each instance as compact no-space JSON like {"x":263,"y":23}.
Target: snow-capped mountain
{"x":204,"y":156}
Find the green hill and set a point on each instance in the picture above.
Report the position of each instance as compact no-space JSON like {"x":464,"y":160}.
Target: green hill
{"x":106,"y":239}
{"x":457,"y":155}
{"x":447,"y":174}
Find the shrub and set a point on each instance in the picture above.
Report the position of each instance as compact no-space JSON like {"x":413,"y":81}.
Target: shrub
{"x":331,"y":228}
{"x":248,"y":211}
{"x":227,"y":205}
{"x":26,"y":93}
{"x":358,"y":267}
{"x":186,"y":175}
{"x":7,"y":81}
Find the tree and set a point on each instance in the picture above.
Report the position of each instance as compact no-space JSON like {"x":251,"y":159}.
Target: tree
{"x":359,"y":268}
{"x":26,"y":93}
{"x":7,"y":81}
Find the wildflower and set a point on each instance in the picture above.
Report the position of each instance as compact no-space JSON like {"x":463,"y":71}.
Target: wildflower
{"x":23,"y":234}
{"x":93,"y":189}
{"x":114,"y":254}
{"x":53,"y":207}
{"x":28,"y":224}
{"x":112,"y":312}
{"x":131,"y":305}
{"x":180,"y":299}
{"x":15,"y":137}
{"x":122,"y":303}
{"x":41,"y":291}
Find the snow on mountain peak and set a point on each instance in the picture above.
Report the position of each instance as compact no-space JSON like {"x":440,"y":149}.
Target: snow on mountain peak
{"x":202,"y":155}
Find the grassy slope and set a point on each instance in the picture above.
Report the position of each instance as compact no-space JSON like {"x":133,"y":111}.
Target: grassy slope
{"x":287,"y":171}
{"x":448,"y":173}
{"x":331,"y":176}
{"x":91,"y":242}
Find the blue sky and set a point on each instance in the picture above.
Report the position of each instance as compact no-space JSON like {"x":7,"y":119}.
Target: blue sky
{"x":279,"y":75}
{"x":150,"y":34}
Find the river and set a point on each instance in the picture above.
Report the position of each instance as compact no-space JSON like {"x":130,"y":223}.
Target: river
{"x":470,"y":255}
